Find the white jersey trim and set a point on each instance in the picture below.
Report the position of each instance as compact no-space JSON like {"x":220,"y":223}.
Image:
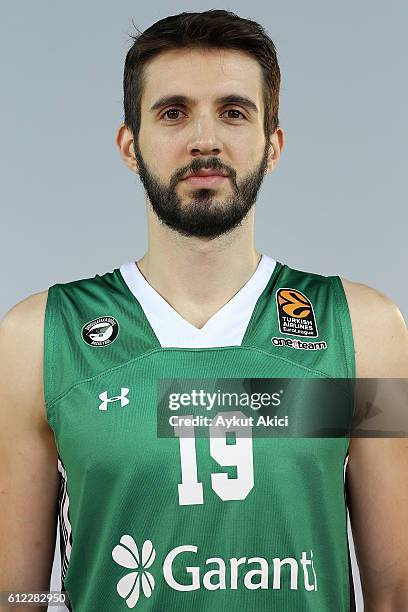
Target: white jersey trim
{"x":226,"y":327}
{"x":64,"y":521}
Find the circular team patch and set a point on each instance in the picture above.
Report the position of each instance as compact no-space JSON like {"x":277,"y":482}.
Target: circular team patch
{"x":101,"y":331}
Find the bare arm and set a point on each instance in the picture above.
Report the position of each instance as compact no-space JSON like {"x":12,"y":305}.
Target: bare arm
{"x":28,"y":457}
{"x":377,"y":472}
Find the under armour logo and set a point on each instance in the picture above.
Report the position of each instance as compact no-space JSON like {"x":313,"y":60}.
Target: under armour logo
{"x":105,"y":399}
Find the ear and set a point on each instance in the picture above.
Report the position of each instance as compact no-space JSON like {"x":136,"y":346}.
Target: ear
{"x":124,"y":142}
{"x":276,"y":145}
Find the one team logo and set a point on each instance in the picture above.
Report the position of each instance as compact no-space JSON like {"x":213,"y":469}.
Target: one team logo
{"x":101,"y":331}
{"x":295,"y":313}
{"x":122,"y":397}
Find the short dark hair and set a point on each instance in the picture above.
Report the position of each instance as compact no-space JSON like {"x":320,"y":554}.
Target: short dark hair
{"x":218,"y":29}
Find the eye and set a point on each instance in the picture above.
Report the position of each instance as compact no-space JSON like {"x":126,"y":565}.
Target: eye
{"x":234,"y":110}
{"x":176,"y":110}
{"x":171,"y":110}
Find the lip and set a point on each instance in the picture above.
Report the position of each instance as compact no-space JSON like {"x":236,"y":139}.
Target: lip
{"x":205,"y":181}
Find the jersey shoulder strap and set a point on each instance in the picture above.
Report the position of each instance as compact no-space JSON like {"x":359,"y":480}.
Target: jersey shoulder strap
{"x":304,"y":317}
{"x":90,"y":327}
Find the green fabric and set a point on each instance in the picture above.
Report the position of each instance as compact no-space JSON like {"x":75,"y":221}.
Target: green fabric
{"x":122,"y":480}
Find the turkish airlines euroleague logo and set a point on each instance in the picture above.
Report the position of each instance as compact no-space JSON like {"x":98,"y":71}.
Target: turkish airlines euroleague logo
{"x":295,"y":313}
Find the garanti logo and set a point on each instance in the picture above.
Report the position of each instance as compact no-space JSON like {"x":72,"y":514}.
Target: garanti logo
{"x":184,"y":562}
{"x":295,"y":313}
{"x":127,"y":555}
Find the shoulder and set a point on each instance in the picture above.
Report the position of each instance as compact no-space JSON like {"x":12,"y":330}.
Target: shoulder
{"x":21,"y":353}
{"x":379,"y":331}
{"x":24,"y":320}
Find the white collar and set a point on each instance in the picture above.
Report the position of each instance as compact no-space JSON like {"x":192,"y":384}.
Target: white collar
{"x":225,"y":328}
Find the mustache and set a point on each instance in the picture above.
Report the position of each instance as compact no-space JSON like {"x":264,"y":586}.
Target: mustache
{"x":204,"y":164}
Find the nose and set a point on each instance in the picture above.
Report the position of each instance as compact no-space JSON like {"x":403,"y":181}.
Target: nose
{"x":204,"y":139}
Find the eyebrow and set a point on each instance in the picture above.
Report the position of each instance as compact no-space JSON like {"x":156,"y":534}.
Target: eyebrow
{"x":181,"y":100}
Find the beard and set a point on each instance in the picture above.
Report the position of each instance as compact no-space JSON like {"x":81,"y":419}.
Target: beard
{"x":203,"y":215}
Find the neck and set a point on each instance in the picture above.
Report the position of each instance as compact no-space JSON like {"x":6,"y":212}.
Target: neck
{"x":198,"y":276}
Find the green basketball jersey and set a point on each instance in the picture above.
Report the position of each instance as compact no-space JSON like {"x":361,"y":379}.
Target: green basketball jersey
{"x":149,"y":522}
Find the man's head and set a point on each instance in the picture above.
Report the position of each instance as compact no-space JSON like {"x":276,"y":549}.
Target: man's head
{"x":201,"y":93}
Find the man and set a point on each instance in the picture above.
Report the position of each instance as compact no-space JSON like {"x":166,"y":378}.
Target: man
{"x":183,"y":522}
